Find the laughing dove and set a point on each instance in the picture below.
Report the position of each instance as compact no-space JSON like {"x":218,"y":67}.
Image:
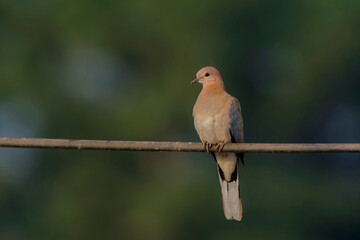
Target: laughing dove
{"x":218,"y":120}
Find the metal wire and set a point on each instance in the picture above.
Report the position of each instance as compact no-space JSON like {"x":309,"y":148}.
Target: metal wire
{"x":177,"y":146}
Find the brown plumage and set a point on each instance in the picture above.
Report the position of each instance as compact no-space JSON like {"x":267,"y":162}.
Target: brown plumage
{"x":218,"y":120}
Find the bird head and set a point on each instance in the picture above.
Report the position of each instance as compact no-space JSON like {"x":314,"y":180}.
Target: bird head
{"x":208,"y":76}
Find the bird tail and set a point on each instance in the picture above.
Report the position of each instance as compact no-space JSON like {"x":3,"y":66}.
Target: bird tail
{"x":231,"y":195}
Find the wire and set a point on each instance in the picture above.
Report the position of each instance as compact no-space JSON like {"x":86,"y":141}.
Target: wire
{"x":177,"y":146}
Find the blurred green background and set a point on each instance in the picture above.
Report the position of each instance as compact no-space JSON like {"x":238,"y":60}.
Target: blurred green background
{"x":121,"y":70}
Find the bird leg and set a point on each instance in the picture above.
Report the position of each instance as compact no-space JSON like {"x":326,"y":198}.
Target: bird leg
{"x":207,"y":146}
{"x":220,"y":146}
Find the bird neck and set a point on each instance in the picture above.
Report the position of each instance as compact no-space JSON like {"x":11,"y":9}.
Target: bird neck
{"x":213,"y":89}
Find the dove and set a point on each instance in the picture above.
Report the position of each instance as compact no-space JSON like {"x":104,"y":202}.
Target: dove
{"x":218,"y":120}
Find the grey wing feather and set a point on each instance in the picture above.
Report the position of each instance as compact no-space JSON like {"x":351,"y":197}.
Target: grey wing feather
{"x":236,"y":126}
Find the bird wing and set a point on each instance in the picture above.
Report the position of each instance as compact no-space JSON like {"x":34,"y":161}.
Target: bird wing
{"x":236,"y":126}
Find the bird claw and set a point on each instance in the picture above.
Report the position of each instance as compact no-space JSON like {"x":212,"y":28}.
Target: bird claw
{"x":220,"y":146}
{"x":207,"y":146}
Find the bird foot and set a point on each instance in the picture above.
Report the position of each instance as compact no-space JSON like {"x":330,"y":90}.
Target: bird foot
{"x":207,"y":146}
{"x":220,"y":146}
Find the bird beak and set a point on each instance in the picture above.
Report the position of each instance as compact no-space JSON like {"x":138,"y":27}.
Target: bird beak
{"x":195,"y":80}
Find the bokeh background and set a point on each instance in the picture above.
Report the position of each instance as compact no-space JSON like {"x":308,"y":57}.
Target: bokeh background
{"x":120,"y":70}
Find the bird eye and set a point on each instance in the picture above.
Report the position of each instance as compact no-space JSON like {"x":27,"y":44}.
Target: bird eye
{"x":207,"y":74}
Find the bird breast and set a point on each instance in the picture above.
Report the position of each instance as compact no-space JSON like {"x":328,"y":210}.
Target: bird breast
{"x":211,"y":128}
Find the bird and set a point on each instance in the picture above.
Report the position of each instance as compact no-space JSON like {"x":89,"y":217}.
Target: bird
{"x":218,"y":120}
